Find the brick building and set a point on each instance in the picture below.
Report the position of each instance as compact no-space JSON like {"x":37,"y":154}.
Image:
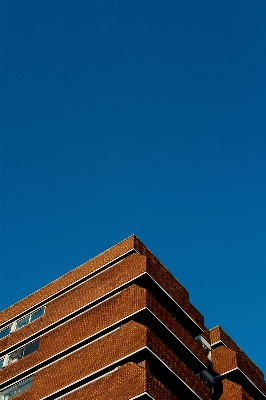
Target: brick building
{"x":119,"y":327}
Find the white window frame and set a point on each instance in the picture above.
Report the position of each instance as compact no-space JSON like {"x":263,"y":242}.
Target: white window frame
{"x":14,"y":324}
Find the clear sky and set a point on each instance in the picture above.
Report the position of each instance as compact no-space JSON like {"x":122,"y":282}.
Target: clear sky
{"x":145,"y":117}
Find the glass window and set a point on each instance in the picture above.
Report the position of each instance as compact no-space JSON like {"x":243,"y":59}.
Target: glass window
{"x":37,"y":314}
{"x":22,"y":322}
{"x":8,"y":393}
{"x":17,"y":355}
{"x":24,"y":385}
{"x":2,"y":362}
{"x":16,"y":389}
{"x":5,"y":332}
{"x":30,"y":348}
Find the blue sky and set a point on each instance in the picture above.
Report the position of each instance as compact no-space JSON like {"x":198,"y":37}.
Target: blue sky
{"x":145,"y":117}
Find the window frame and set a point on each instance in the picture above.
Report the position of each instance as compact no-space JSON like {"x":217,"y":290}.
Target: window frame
{"x":8,"y":357}
{"x":15,"y":388}
{"x":13,"y":326}
{"x":2,"y":330}
{"x":15,"y":323}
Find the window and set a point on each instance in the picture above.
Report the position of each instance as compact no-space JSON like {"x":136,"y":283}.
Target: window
{"x":20,"y":353}
{"x":16,"y":389}
{"x":29,"y":318}
{"x":37,"y":314}
{"x":17,"y":355}
{"x":207,"y":378}
{"x":5,"y":332}
{"x":22,"y":322}
{"x":31,"y":347}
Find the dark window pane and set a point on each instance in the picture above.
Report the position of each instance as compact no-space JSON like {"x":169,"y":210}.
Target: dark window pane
{"x":1,"y":363}
{"x":5,"y":332}
{"x":22,"y":322}
{"x":37,"y":314}
{"x":24,"y":385}
{"x":30,"y":348}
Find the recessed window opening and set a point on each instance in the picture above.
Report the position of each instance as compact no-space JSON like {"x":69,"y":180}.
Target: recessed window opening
{"x":29,"y":318}
{"x":20,"y":353}
{"x":16,"y":389}
{"x":207,"y":378}
{"x":5,"y":331}
{"x":22,"y":322}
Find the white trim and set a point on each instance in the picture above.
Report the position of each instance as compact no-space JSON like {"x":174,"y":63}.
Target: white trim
{"x":142,"y":394}
{"x":106,"y":366}
{"x":58,"y":293}
{"x":216,"y":326}
{"x":237,"y":368}
{"x":219,"y":341}
{"x":227,"y":372}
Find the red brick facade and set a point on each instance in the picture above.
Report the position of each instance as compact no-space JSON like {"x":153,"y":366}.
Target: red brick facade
{"x":120,"y":326}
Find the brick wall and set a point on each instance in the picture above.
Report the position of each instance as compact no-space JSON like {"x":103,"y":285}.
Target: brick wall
{"x":80,"y":296}
{"x":130,"y":379}
{"x":125,"y":303}
{"x":177,"y":328}
{"x":70,"y":277}
{"x":97,"y":286}
{"x":168,"y":282}
{"x":103,"y":352}
{"x":166,"y":275}
{"x":177,"y":366}
{"x":92,"y":321}
{"x":218,"y":333}
{"x":87,"y":360}
{"x":127,"y":381}
{"x":232,"y":391}
{"x":227,"y":358}
{"x":87,"y":268}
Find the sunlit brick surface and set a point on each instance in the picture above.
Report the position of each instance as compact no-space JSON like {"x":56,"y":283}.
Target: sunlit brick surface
{"x":228,"y":356}
{"x":233,"y":391}
{"x":125,"y":331}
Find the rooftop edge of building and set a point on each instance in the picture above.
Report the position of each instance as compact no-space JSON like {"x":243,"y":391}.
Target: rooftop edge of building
{"x":219,"y":337}
{"x":131,"y":244}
